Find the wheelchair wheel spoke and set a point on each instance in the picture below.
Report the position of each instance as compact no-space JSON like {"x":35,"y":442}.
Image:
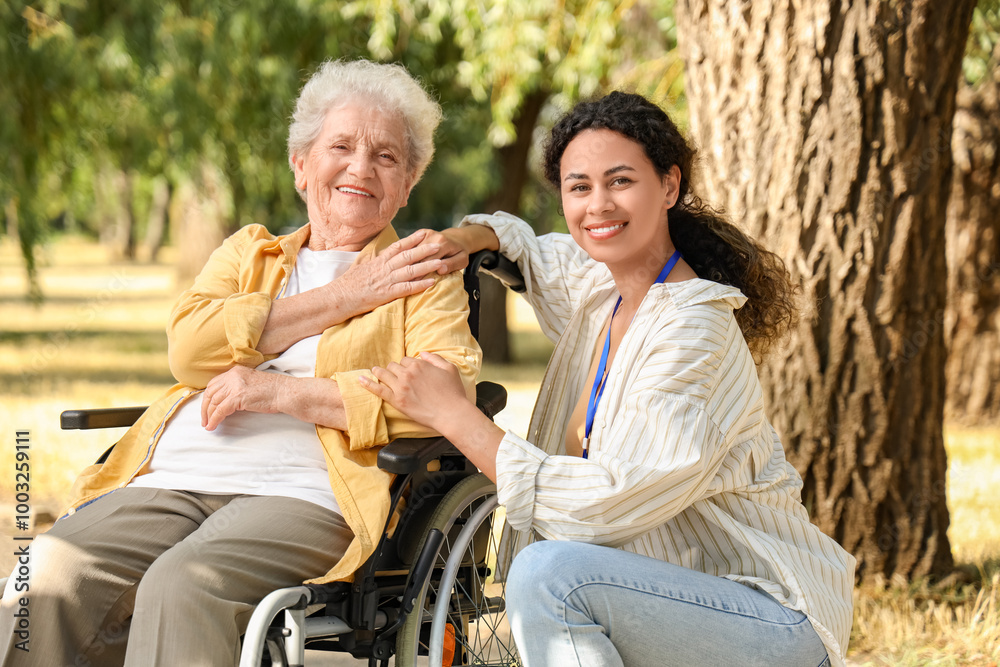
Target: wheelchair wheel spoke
{"x":475,"y":608}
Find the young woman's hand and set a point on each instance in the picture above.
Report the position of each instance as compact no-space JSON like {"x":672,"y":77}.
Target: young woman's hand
{"x":429,"y":390}
{"x":457,"y":243}
{"x":420,"y":388}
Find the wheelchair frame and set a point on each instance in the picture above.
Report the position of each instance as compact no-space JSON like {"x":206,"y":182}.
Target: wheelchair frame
{"x":426,"y":583}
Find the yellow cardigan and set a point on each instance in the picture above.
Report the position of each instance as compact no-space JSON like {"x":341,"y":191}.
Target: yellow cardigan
{"x":217,"y":323}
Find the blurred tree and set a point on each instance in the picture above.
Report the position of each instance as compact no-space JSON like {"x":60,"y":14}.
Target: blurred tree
{"x":118,"y":111}
{"x":115,"y":96}
{"x":227,"y":77}
{"x":972,"y":326}
{"x":125,"y":110}
{"x":827,"y":131}
{"x":33,"y":106}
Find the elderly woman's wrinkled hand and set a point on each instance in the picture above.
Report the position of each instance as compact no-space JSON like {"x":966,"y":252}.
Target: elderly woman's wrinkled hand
{"x":405,"y":268}
{"x":239,"y":388}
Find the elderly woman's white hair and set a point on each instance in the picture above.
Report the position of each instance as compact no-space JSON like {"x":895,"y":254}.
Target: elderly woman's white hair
{"x":387,"y":87}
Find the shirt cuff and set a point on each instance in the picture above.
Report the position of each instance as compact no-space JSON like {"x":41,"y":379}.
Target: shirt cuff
{"x":517,"y":465}
{"x":366,"y":425}
{"x":244,"y":316}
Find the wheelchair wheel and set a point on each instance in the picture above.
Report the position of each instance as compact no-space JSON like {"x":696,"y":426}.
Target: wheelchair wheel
{"x":476,"y":630}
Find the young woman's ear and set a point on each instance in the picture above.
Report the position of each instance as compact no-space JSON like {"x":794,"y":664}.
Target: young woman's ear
{"x":672,"y":181}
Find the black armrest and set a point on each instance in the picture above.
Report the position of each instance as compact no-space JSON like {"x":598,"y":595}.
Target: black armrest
{"x":496,"y":265}
{"x":100,"y":418}
{"x":491,"y":398}
{"x":406,"y":455}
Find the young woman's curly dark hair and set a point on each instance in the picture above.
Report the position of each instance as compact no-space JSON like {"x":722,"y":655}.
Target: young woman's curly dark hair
{"x":711,"y":245}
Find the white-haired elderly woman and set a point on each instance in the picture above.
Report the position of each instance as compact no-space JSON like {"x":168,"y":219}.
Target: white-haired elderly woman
{"x":258,"y":469}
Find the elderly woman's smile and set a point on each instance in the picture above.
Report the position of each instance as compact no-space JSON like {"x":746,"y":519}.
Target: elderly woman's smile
{"x":355,"y":176}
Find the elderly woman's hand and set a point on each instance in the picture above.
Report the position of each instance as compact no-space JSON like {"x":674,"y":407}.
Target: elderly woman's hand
{"x":239,"y":388}
{"x":405,"y":268}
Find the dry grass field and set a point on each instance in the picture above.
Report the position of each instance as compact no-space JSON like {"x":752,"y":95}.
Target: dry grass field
{"x":98,"y":341}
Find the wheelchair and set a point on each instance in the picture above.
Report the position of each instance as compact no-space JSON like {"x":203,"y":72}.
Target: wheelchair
{"x":434,"y":585}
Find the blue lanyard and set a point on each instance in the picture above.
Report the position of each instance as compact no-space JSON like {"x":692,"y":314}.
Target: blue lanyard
{"x":598,"y":389}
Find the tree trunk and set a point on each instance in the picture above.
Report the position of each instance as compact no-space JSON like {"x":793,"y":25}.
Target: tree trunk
{"x":512,"y":159}
{"x":113,"y":193}
{"x":10,"y":213}
{"x":197,"y":217}
{"x":973,"y":316}
{"x":122,"y":232}
{"x":156,"y":227}
{"x":826,"y":130}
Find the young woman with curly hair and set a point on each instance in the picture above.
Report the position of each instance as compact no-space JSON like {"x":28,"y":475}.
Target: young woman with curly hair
{"x":672,"y":529}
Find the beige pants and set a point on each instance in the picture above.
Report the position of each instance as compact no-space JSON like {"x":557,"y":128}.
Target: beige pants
{"x":147,"y":577}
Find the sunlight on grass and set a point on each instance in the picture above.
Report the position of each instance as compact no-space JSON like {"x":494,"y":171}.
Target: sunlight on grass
{"x":921,"y":626}
{"x":56,"y":455}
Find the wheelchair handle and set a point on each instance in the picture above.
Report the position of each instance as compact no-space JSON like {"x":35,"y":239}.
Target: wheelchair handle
{"x":499,"y":267}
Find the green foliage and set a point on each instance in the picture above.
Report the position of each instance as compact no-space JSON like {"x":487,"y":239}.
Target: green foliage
{"x":984,"y":36}
{"x":92,"y":88}
{"x":499,"y":53}
{"x":509,"y":48}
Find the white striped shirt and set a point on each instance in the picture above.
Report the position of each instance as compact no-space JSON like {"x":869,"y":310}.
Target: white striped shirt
{"x":683,"y":464}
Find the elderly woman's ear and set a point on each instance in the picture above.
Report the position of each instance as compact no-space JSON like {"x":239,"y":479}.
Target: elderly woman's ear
{"x":298,"y":166}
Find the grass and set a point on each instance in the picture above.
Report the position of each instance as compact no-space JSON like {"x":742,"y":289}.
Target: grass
{"x":98,"y":342}
{"x":917,"y":625}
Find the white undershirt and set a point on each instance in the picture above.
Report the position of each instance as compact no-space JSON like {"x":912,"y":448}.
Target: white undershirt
{"x":255,"y":453}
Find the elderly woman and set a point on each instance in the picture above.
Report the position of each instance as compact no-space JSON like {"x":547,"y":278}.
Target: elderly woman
{"x":258,"y":470}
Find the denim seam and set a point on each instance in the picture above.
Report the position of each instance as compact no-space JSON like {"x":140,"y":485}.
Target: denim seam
{"x":804,"y":619}
{"x":567,"y":633}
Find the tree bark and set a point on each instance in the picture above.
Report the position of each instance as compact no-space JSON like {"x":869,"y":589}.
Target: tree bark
{"x":121,"y":230}
{"x":973,"y":317}
{"x":156,"y":227}
{"x":197,"y":217}
{"x":512,"y":159}
{"x":826,"y":130}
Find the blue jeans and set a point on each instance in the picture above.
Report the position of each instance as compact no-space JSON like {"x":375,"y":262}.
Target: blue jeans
{"x":580,"y":604}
